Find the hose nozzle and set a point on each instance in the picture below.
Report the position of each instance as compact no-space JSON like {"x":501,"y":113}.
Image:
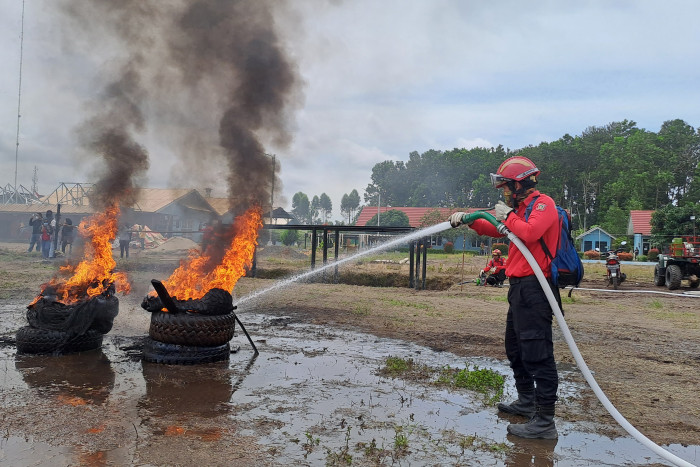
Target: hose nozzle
{"x":471,"y":217}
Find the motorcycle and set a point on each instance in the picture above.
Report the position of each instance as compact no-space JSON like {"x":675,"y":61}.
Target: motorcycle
{"x":612,"y":264}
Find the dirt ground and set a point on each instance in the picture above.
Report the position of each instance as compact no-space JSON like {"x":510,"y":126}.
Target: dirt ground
{"x":643,"y":348}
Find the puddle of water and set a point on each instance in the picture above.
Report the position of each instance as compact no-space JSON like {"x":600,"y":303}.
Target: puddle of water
{"x":312,"y":394}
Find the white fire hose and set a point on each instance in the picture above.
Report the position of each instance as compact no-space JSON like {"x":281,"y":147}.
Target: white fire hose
{"x":579,"y":359}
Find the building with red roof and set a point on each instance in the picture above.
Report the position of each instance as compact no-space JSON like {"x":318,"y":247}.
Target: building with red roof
{"x":415,"y":215}
{"x":639,"y":226}
{"x":415,"y":220}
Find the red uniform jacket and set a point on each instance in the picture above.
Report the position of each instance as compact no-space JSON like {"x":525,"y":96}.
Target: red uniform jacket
{"x":542,"y":223}
{"x":499,"y":263}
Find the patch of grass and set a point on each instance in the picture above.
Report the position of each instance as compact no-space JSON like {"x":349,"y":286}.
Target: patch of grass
{"x":474,"y":443}
{"x":497,"y":447}
{"x":406,"y":368}
{"x":656,"y":304}
{"x":400,"y":439}
{"x":361,"y":309}
{"x":342,"y":457}
{"x":394,"y":302}
{"x":565,"y":299}
{"x":483,"y":380}
{"x":310,"y":444}
{"x":497,"y":298}
{"x":686,"y":318}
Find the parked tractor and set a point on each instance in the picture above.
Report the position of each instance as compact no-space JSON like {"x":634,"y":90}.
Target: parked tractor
{"x":681,"y":264}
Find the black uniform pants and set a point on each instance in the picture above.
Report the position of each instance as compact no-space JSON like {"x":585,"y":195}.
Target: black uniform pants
{"x":496,"y":278}
{"x":528,"y":339}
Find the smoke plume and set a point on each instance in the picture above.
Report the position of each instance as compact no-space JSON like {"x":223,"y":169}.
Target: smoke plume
{"x":208,"y":81}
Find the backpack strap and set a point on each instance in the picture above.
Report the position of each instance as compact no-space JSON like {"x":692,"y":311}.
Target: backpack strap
{"x":527,"y":215}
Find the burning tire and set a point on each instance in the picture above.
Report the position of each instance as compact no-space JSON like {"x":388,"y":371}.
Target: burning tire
{"x":191,"y":328}
{"x":42,"y":341}
{"x":97,"y":314}
{"x":174,"y":354}
{"x":215,"y":302}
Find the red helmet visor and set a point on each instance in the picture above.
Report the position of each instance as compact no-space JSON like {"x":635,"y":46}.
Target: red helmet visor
{"x":499,"y":180}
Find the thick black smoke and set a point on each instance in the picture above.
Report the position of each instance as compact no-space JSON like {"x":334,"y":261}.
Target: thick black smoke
{"x":208,"y":79}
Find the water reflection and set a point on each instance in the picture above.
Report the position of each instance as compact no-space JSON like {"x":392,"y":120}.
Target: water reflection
{"x":539,"y":452}
{"x":185,"y":389}
{"x":80,"y":378}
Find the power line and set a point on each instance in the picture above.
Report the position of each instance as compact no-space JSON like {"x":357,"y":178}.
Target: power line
{"x":19,"y":98}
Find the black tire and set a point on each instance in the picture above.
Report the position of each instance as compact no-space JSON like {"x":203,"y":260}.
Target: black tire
{"x":694,"y":284}
{"x":56,"y":316}
{"x":191,"y":328}
{"x":173,"y":354}
{"x":616,"y":282}
{"x":674,"y":276}
{"x":41,"y":341}
{"x":659,"y":276}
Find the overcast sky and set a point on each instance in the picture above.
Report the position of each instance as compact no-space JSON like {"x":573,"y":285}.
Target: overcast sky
{"x":384,"y":78}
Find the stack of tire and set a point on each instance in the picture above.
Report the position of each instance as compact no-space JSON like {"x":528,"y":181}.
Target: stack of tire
{"x":57,"y":328}
{"x":198,"y":331}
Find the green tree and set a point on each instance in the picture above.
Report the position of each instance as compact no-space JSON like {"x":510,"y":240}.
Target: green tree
{"x":616,"y":220}
{"x":289,"y":237}
{"x":391,"y":218}
{"x":353,"y":202}
{"x":672,"y":221}
{"x":682,"y":144}
{"x":345,"y":206}
{"x":300,"y":207}
{"x":388,"y":182}
{"x":315,"y":210}
{"x":432,"y":217}
{"x":326,"y":206}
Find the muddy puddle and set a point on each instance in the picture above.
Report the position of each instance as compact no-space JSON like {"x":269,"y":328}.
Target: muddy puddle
{"x":312,"y":396}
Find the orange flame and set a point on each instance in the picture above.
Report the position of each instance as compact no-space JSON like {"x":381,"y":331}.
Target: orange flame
{"x":95,"y":273}
{"x":195,"y":275}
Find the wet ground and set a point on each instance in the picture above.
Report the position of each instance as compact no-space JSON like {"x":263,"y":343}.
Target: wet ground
{"x":312,"y":396}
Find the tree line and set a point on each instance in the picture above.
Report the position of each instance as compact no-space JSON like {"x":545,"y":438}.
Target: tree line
{"x":599,"y":176}
{"x":318,"y":210}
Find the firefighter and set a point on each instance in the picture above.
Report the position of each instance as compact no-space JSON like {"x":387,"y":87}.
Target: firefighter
{"x":496,"y":268}
{"x":528,"y":337}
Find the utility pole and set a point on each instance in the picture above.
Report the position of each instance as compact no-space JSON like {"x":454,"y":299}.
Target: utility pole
{"x":379,"y":204}
{"x":19,"y":105}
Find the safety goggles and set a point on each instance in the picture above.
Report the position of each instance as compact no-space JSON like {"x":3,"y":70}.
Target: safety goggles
{"x":498,"y":180}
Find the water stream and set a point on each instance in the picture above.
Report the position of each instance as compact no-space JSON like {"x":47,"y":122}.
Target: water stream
{"x":375,"y":249}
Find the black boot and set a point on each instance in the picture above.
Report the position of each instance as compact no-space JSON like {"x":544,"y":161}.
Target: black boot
{"x":541,"y":426}
{"x":524,"y":405}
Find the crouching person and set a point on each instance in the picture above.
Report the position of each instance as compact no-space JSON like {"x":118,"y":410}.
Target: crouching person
{"x":496,"y":268}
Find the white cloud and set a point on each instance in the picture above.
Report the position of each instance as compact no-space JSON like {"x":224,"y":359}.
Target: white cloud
{"x":387,"y":78}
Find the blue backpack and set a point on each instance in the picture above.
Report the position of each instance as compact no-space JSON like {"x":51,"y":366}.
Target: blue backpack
{"x":566,"y":265}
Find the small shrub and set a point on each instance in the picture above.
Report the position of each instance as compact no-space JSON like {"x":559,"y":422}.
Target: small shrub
{"x":501,"y":246}
{"x":289,"y":237}
{"x":642,"y":258}
{"x":653,"y":254}
{"x":624,"y":256}
{"x":592,"y":254}
{"x":449,"y":247}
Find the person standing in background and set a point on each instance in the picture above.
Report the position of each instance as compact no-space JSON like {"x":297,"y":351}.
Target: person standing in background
{"x":67,"y":232}
{"x":124,"y":240}
{"x":35,"y":241}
